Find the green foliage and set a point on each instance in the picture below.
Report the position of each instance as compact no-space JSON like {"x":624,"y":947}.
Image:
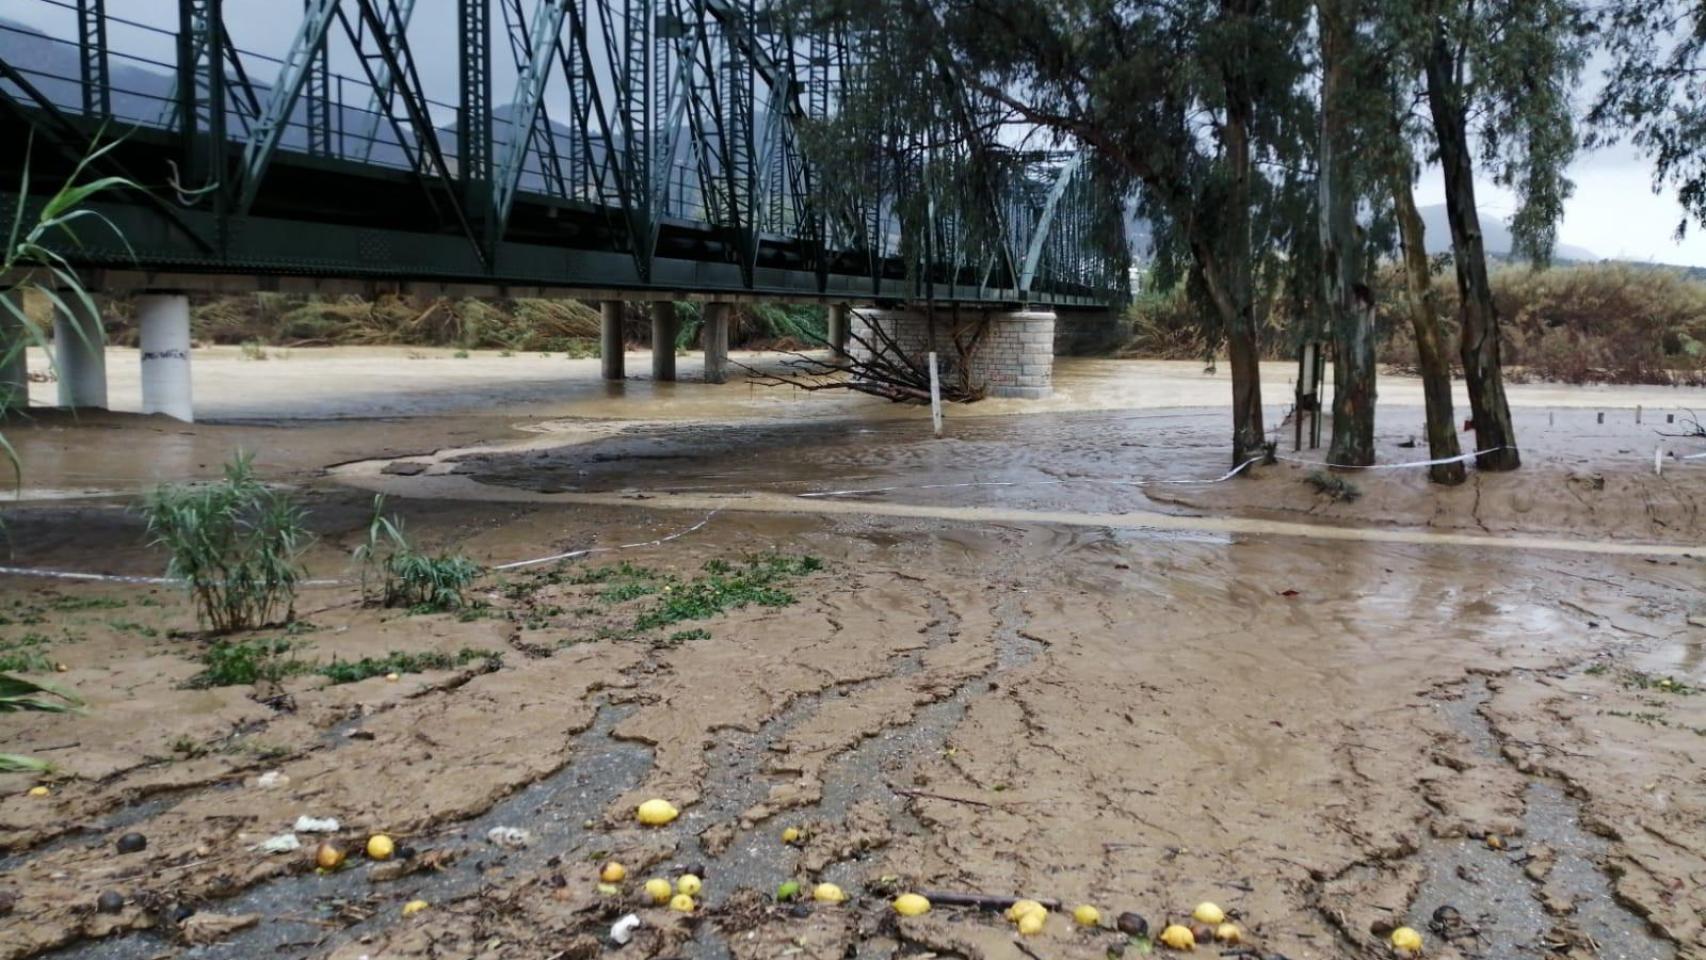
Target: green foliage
{"x":353,"y":671}
{"x":231,"y":664}
{"x":25,"y":661}
{"x":235,"y":543}
{"x":623,"y":592}
{"x":422,"y":583}
{"x":758,"y":581}
{"x":619,"y":571}
{"x":17,"y":693}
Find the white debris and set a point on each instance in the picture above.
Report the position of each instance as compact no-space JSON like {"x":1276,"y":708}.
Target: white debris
{"x":307,"y":824}
{"x":283,"y":843}
{"x":271,"y":779}
{"x":512,"y":838}
{"x":623,"y":930}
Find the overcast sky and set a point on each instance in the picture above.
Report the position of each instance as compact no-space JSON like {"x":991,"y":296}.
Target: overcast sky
{"x":1614,"y":212}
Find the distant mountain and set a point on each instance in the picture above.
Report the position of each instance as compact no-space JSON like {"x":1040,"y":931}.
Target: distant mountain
{"x":1494,"y":232}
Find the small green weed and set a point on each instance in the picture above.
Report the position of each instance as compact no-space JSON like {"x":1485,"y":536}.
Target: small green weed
{"x":130,"y":626}
{"x":240,"y":664}
{"x":1334,"y":486}
{"x":353,"y":671}
{"x":757,"y":581}
{"x":74,"y":604}
{"x":1636,"y":680}
{"x":460,"y":354}
{"x":421,"y":583}
{"x":253,"y":350}
{"x":623,"y":592}
{"x":25,"y":661}
{"x":617,"y":571}
{"x":680,"y":637}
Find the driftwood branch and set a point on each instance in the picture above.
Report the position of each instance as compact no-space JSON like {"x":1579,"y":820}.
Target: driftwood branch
{"x":881,"y":368}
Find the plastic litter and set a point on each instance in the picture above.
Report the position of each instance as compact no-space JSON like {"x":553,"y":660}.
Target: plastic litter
{"x":307,"y":824}
{"x":512,"y":838}
{"x":271,"y":779}
{"x":283,"y":843}
{"x":623,"y":930}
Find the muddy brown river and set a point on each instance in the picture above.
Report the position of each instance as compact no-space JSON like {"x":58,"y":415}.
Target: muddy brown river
{"x":1056,"y":654}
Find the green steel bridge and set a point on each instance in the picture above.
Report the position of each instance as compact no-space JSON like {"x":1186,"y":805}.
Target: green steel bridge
{"x":638,"y":149}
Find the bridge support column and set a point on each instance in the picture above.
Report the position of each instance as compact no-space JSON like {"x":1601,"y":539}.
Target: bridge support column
{"x":1014,"y":357}
{"x":14,"y":365}
{"x":715,"y":336}
{"x":665,"y":328}
{"x":610,"y":339}
{"x":163,"y":332}
{"x":80,"y":350}
{"x":839,"y":314}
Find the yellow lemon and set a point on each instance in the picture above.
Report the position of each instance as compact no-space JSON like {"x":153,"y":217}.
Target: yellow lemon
{"x":380,"y":847}
{"x":1228,"y":933}
{"x":1032,"y":923}
{"x":413,"y":907}
{"x":39,"y":791}
{"x":1209,"y":913}
{"x":1087,"y":915}
{"x":656,"y":813}
{"x":1022,"y":907}
{"x":681,"y":903}
{"x":1177,"y":937}
{"x":792,"y":835}
{"x":392,"y":677}
{"x":911,"y":905}
{"x":689,"y":884}
{"x":328,"y":856}
{"x":658,"y":889}
{"x":613,"y":872}
{"x":1405,"y":938}
{"x":828,"y":893}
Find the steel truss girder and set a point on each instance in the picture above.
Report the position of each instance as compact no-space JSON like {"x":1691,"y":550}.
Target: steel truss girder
{"x":545,"y":30}
{"x":293,"y":75}
{"x":397,"y":16}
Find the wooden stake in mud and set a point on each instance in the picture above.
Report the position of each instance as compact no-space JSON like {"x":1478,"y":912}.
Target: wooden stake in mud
{"x":1637,"y":413}
{"x":935,"y":398}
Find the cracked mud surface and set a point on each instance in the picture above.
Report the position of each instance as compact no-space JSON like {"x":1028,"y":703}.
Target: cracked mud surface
{"x":1319,"y":735}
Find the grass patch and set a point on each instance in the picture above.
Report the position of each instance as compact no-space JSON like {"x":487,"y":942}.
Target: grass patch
{"x":130,"y":626}
{"x":1334,"y":486}
{"x":354,"y":671}
{"x":74,"y":604}
{"x":1636,"y":680}
{"x":615,"y":571}
{"x":680,"y":637}
{"x":758,"y":581}
{"x":623,"y":592}
{"x":25,"y":661}
{"x":421,"y":582}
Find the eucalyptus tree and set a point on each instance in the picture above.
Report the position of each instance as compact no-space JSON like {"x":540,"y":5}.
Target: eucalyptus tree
{"x":1655,"y":92}
{"x":1499,"y":79}
{"x":1184,"y":98}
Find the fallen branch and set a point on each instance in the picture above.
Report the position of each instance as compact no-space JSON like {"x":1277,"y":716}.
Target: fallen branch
{"x":949,"y":898}
{"x":926,"y":795}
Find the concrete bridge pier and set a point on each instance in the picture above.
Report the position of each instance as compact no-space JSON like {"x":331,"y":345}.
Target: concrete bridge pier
{"x":14,"y":364}
{"x":666,"y":326}
{"x":610,"y":339}
{"x":839,"y":316}
{"x":80,"y":352}
{"x":714,"y":335}
{"x":163,"y":332}
{"x":1013,"y":356}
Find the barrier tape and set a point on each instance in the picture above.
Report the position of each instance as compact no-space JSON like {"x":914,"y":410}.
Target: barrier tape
{"x":1228,"y":475}
{"x":1460,"y":458}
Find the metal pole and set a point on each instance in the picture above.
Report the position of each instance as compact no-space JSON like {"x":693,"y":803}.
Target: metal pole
{"x":935,"y":398}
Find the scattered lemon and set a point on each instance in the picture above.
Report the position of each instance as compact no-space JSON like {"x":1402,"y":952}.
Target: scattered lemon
{"x":1495,"y":842}
{"x":658,"y":889}
{"x":1022,"y":907}
{"x":656,"y":813}
{"x":788,"y":890}
{"x":39,"y":791}
{"x":613,"y":872}
{"x":1209,"y":913}
{"x":392,"y":677}
{"x":792,"y":835}
{"x":681,"y":903}
{"x":911,"y":905}
{"x":380,"y":847}
{"x":328,"y":856}
{"x":1032,"y":923}
{"x":609,"y":889}
{"x":1178,"y":938}
{"x":413,"y":907}
{"x":1405,"y":938}
{"x":60,"y":668}
{"x":1087,"y":915}
{"x":828,"y":893}
{"x":689,"y":884}
{"x":1228,"y":933}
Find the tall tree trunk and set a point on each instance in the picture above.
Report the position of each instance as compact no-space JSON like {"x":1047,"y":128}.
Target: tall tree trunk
{"x":1424,"y":317}
{"x":1249,"y":437}
{"x":1480,"y":317}
{"x":1343,"y":291}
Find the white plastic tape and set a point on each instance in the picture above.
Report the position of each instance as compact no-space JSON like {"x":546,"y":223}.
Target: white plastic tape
{"x":1460,"y":458}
